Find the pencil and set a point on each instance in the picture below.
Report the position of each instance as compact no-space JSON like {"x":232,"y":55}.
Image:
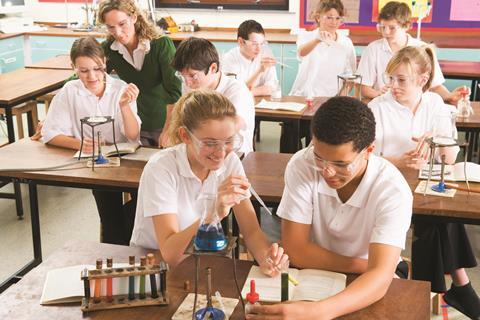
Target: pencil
{"x":290,"y":278}
{"x":457,"y":187}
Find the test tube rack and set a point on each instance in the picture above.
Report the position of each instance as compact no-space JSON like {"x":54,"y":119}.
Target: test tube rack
{"x":122,"y":300}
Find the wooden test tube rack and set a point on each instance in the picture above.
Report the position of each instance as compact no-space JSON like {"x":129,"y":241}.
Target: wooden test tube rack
{"x":122,"y":301}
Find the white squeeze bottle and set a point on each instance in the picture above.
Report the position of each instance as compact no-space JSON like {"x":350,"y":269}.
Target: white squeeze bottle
{"x":252,"y":298}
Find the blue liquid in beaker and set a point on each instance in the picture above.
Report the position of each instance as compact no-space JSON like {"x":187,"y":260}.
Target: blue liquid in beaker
{"x":210,"y":238}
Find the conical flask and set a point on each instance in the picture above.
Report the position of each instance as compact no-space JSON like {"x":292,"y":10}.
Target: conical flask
{"x":210,"y":235}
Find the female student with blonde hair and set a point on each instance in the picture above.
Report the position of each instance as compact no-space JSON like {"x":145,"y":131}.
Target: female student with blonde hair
{"x":405,"y":115}
{"x":140,"y":55}
{"x":394,"y":20}
{"x":202,"y":160}
{"x":325,"y":53}
{"x":95,"y":93}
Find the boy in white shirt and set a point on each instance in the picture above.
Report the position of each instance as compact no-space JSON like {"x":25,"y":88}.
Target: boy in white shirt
{"x":324,"y":53}
{"x":394,"y":20}
{"x":343,"y":209}
{"x":406,"y":115}
{"x":198,"y":66}
{"x":95,"y":93}
{"x":250,"y":61}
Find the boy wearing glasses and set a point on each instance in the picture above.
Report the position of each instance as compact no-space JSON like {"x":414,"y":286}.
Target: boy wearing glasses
{"x":343,"y":209}
{"x":394,"y":20}
{"x":198,"y":66}
{"x":324,"y":53}
{"x":252,"y":61}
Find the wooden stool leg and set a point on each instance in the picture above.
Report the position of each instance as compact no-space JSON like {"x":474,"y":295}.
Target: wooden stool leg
{"x":19,"y":117}
{"x":436,"y":303}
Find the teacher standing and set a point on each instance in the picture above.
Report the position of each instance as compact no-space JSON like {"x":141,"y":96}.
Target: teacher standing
{"x":140,"y":55}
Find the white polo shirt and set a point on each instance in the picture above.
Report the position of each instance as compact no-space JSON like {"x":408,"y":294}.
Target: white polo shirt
{"x":379,"y":211}
{"x":242,"y":99}
{"x":319,"y":69}
{"x":74,"y":102}
{"x":396,"y":124}
{"x":375,"y":59}
{"x":138,"y":56}
{"x":234,"y":62}
{"x":168,"y":186}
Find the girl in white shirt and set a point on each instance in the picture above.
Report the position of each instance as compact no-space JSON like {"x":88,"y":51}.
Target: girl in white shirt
{"x":95,"y":94}
{"x":202,"y":161}
{"x":394,"y":20}
{"x":324,"y":52}
{"x":404,"y":116}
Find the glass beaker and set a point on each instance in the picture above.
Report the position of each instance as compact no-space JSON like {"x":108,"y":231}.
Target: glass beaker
{"x":349,"y":84}
{"x":210,"y":235}
{"x":443,"y":129}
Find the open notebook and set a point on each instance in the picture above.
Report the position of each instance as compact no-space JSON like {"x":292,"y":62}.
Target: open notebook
{"x":453,"y":172}
{"x":275,"y":105}
{"x":123,"y":148}
{"x":314,"y":285}
{"x":64,"y":285}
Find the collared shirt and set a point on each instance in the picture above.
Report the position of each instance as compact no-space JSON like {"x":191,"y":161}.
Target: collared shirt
{"x":396,"y":125}
{"x":138,"y":54}
{"x":234,"y":62}
{"x":375,"y":59}
{"x":242,"y":99}
{"x":169,"y":186}
{"x":318,"y":71}
{"x":74,"y":102}
{"x":379,"y":211}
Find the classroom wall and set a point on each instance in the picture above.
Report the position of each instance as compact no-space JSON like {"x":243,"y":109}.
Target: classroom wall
{"x":56,"y":12}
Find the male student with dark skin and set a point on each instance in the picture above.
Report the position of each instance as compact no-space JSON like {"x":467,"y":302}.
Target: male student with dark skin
{"x":343,"y":209}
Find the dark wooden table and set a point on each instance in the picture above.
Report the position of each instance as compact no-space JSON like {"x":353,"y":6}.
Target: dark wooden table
{"x":405,"y":299}
{"x":24,"y":85}
{"x":29,"y":154}
{"x":463,"y":70}
{"x":61,"y":62}
{"x":265,"y":171}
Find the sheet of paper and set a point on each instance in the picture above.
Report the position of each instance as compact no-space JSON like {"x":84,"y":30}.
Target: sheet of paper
{"x":465,"y":10}
{"x":449,"y":193}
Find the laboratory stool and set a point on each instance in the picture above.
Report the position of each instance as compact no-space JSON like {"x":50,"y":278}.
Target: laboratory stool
{"x":30,"y":108}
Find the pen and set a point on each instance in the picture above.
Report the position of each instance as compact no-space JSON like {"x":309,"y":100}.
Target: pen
{"x":290,"y":278}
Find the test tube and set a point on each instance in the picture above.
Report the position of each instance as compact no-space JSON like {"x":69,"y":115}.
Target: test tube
{"x":153,"y":279}
{"x":131,"y":280}
{"x":284,"y":281}
{"x":109,"y":281}
{"x":143,"y":262}
{"x":86,"y":284}
{"x":163,"y":279}
{"x":98,"y":284}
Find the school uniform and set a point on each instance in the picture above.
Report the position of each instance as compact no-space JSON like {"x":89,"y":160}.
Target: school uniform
{"x":379,"y":211}
{"x":438,"y":248}
{"x":375,"y":59}
{"x":74,"y":102}
{"x":169,"y":186}
{"x":396,"y":125}
{"x":242,"y":99}
{"x":234,"y":62}
{"x":318,"y":71}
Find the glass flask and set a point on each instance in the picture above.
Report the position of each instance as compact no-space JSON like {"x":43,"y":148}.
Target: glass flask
{"x":210,"y":235}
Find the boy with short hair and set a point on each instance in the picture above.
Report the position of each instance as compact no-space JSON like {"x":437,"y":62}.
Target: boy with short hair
{"x":343,"y":209}
{"x":249,"y":62}
{"x":394,"y":20}
{"x":197,"y":64}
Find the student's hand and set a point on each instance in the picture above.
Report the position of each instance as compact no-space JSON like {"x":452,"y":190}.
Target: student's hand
{"x":266,"y":63}
{"x":457,"y":94}
{"x":385,"y":88}
{"x":231,"y":192}
{"x":38,"y":132}
{"x":325,"y":36}
{"x":129,"y":95}
{"x":410,"y":159}
{"x":88,"y":145}
{"x":299,"y":310}
{"x":274,"y":259}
